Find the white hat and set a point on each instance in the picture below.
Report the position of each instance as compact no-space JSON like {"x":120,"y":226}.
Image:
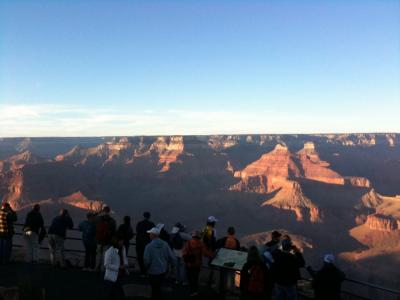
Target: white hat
{"x":329,"y":258}
{"x":154,"y":230}
{"x":160,"y":226}
{"x":175,"y":230}
{"x":212,"y":219}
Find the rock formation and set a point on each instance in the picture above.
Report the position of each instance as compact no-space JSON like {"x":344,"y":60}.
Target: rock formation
{"x":381,"y":223}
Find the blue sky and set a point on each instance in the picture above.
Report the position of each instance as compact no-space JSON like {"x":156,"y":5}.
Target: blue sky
{"x":75,"y":68}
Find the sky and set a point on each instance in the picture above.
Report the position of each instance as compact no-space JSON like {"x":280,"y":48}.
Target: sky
{"x":103,"y":68}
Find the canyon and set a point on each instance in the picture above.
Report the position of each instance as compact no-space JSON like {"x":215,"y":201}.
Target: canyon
{"x":335,"y":193}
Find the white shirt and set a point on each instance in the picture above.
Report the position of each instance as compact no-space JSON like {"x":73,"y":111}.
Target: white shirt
{"x":112,"y":263}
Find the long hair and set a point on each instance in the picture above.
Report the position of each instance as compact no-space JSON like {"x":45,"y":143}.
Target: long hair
{"x":253,"y":256}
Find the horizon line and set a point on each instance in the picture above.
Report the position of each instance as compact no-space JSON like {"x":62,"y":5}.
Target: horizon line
{"x":203,"y":135}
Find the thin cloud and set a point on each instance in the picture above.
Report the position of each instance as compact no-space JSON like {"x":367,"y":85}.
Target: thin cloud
{"x":54,"y":120}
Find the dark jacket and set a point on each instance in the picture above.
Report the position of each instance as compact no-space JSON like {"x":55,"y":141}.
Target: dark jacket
{"x":60,"y":225}
{"x":88,"y":229}
{"x":327,"y":282}
{"x":286,"y":267}
{"x":142,"y":237}
{"x":34,"y":221}
{"x":245,"y":275}
{"x":7,"y":218}
{"x":106,"y":227}
{"x":126,"y":231}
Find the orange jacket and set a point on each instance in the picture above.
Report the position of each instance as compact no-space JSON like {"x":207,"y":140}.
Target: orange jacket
{"x":196,"y":248}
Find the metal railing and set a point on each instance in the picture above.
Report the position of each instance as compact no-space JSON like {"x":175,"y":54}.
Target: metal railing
{"x":349,"y":294}
{"x":68,"y":238}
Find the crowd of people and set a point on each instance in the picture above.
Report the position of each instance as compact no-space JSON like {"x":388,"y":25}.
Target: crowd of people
{"x":272,"y":269}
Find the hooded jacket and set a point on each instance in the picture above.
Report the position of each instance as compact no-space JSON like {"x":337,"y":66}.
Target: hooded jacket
{"x":157,"y":256}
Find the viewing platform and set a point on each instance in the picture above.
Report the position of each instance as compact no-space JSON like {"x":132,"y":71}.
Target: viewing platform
{"x":42,"y":281}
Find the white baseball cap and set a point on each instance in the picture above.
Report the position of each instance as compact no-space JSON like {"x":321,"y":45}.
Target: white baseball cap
{"x":160,"y":226}
{"x":212,"y":219}
{"x":154,"y":230}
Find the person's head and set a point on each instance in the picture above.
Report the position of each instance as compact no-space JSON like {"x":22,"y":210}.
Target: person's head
{"x":196,"y":235}
{"x":154,"y":232}
{"x":231,"y":231}
{"x":117,"y":241}
{"x":63,"y":212}
{"x":286,"y":237}
{"x":253,"y":256}
{"x":36,"y":208}
{"x":287,"y":245}
{"x":90,"y":216}
{"x":211,"y":221}
{"x":106,"y":210}
{"x":276,"y":236}
{"x":178,"y":227}
{"x":329,"y":259}
{"x":127,"y":220}
{"x":146,"y":215}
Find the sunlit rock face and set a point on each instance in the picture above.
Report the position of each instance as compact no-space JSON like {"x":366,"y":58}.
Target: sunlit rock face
{"x":277,"y":164}
{"x":168,"y":150}
{"x":372,"y":199}
{"x":316,"y":169}
{"x":281,"y":172}
{"x":290,"y":197}
{"x":381,"y":223}
{"x":358,"y":181}
{"x":81,"y":201}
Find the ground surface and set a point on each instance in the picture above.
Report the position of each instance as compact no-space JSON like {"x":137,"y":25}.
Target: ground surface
{"x":75,"y":284}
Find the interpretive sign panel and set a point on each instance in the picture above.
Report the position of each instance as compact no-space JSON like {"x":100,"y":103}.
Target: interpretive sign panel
{"x":230,"y":259}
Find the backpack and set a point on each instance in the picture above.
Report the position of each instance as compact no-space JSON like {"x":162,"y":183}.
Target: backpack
{"x":177,"y":241}
{"x":189,"y":257}
{"x":256,"y":283}
{"x":102,"y":231}
{"x":208,"y":238}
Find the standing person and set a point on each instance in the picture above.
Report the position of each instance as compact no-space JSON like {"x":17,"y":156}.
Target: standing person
{"x":327,"y":282}
{"x":157,"y":258}
{"x":209,"y":239}
{"x":142,"y":239}
{"x":88,"y":228}
{"x":192,"y":255}
{"x":209,"y":234}
{"x":33,"y":229}
{"x":125,"y":230}
{"x":178,"y":240}
{"x":270,"y":248}
{"x":116,"y":266}
{"x":286,"y":271}
{"x":106,"y":228}
{"x":7,"y":217}
{"x":230,"y":241}
{"x":57,"y":234}
{"x":255,"y":278}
